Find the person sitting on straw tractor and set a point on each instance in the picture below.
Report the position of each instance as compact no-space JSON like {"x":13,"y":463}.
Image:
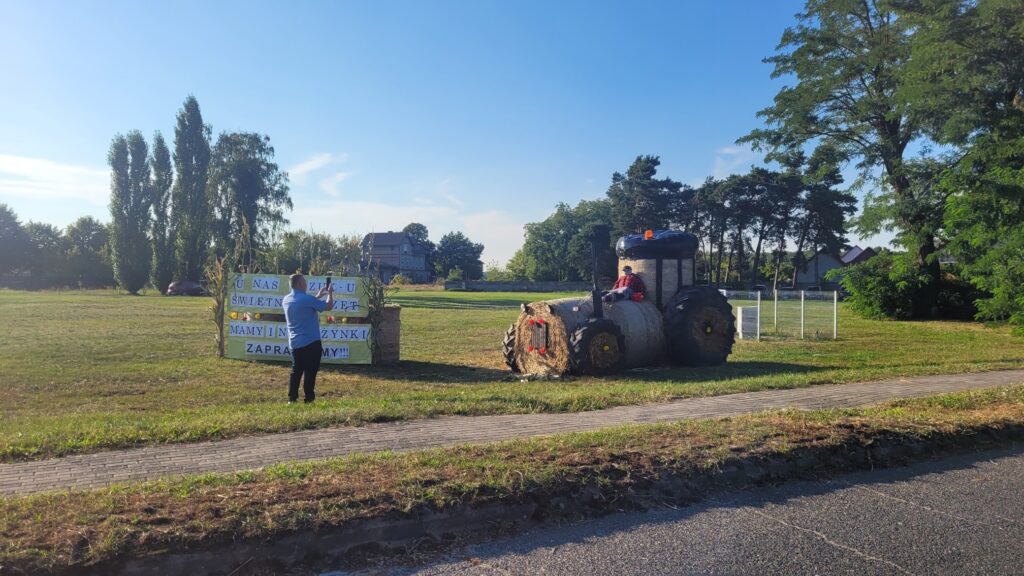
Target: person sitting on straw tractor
{"x":629,"y":286}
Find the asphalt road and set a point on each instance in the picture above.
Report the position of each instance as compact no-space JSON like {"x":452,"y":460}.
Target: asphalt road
{"x":961,"y":515}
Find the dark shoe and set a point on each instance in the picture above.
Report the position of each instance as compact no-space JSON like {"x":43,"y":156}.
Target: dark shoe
{"x":308,"y":401}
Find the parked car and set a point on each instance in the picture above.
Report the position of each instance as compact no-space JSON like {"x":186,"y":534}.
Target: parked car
{"x":185,"y":288}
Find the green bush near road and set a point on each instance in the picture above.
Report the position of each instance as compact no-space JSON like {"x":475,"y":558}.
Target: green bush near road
{"x":84,"y":371}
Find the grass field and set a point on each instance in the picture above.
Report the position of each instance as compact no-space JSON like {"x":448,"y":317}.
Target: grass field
{"x":81,"y":371}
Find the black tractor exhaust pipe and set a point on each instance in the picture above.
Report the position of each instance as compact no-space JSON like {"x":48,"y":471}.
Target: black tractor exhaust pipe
{"x":598,"y":235}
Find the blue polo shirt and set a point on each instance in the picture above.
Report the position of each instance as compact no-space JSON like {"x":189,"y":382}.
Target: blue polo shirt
{"x":301,"y":311}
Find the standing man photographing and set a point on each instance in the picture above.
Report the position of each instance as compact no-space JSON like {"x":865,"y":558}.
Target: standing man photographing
{"x":302,"y":313}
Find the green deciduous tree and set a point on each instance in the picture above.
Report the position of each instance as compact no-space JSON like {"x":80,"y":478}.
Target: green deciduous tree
{"x":130,"y":200}
{"x":420,"y":236}
{"x":967,"y":77}
{"x":13,"y":239}
{"x":89,"y":262}
{"x":47,"y":261}
{"x":455,"y":250}
{"x":985,"y":222}
{"x":849,"y":60}
{"x":248,"y":191}
{"x":558,"y":247}
{"x":518,"y":266}
{"x":190,"y":208}
{"x":297,"y":251}
{"x":966,"y":71}
{"x":163,"y":267}
{"x":546,"y":246}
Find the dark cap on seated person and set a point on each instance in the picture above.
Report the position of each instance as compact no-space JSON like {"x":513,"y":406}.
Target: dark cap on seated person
{"x":627,"y":268}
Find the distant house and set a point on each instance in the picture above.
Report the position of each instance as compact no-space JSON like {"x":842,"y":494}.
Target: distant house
{"x":856,"y":255}
{"x":395,"y":253}
{"x":817,"y":266}
{"x":813,"y":271}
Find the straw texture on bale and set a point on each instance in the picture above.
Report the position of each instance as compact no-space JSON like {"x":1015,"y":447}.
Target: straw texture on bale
{"x":647,"y":270}
{"x":389,"y":341}
{"x":640,"y":323}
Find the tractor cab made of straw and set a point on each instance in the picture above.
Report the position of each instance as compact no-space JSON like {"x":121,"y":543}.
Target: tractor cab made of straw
{"x":676,"y":321}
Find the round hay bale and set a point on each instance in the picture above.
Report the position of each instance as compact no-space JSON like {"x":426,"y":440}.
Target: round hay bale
{"x":554,"y":321}
{"x":675,"y":274}
{"x":389,"y":341}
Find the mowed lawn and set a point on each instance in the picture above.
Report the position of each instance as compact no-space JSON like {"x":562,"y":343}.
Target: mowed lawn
{"x":82,"y":371}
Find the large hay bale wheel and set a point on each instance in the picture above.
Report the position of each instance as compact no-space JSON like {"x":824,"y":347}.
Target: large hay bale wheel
{"x":562,"y":337}
{"x":700,"y":328}
{"x":597,"y":347}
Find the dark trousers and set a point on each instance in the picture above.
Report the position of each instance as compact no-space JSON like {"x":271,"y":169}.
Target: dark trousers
{"x":305,"y":360}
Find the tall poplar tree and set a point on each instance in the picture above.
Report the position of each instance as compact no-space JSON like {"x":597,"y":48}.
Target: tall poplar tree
{"x":129,"y":210}
{"x":163,"y":268}
{"x":190,"y":208}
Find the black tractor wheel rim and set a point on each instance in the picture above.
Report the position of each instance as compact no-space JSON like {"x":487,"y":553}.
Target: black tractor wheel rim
{"x":604,"y":351}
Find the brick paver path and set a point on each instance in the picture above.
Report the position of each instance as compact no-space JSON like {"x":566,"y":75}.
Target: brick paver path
{"x":94,"y":470}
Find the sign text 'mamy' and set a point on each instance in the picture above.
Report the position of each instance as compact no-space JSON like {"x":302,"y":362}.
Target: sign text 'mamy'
{"x":279,"y":331}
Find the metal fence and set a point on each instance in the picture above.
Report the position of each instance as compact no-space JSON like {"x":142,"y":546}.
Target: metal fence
{"x":785,"y":314}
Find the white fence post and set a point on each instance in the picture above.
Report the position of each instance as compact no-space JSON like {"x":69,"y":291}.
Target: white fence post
{"x":758,"y":316}
{"x":835,"y":315}
{"x":801,"y":314}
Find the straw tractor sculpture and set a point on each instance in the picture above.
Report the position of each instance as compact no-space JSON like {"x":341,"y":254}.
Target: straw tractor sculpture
{"x":676,"y":321}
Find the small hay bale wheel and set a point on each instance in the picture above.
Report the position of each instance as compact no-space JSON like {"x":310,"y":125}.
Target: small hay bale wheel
{"x":597,"y":347}
{"x":700,"y":328}
{"x":508,"y":349}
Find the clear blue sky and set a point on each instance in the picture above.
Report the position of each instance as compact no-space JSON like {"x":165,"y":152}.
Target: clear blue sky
{"x":466,"y":115}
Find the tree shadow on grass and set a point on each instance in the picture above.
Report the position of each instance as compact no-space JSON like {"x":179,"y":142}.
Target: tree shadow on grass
{"x":418,"y":371}
{"x":440,"y":372}
{"x":728,"y":371}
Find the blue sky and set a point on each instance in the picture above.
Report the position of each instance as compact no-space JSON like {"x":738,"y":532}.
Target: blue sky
{"x":465,"y":115}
